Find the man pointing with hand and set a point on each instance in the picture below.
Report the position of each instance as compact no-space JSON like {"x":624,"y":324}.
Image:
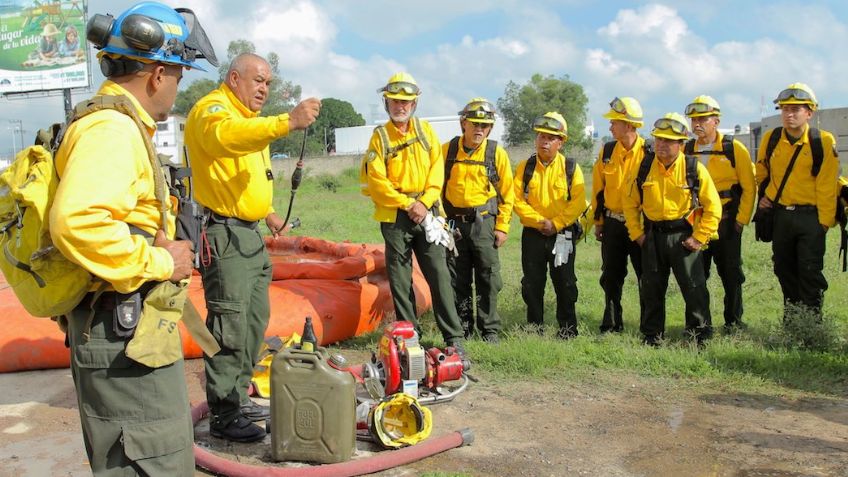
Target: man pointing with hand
{"x":228,"y":149}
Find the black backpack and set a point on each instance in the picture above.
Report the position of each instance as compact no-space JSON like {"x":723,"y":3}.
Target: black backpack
{"x":692,"y":179}
{"x":488,"y":162}
{"x":726,"y":150}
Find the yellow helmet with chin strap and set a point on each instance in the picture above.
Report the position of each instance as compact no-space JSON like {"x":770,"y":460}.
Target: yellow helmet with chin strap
{"x":671,"y":126}
{"x":703,"y":106}
{"x":551,"y":123}
{"x":399,"y":420}
{"x":797,"y":93}
{"x":625,"y":109}
{"x":478,"y":110}
{"x":401,"y":86}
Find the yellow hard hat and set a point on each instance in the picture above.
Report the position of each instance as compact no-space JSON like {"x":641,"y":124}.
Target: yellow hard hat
{"x":703,"y":106}
{"x":625,"y":109}
{"x":551,"y":123}
{"x":401,"y":86}
{"x":478,"y":110}
{"x":399,"y":420}
{"x":797,"y":93}
{"x":671,"y":126}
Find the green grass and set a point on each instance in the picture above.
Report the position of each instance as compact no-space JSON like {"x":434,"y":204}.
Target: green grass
{"x":764,"y":358}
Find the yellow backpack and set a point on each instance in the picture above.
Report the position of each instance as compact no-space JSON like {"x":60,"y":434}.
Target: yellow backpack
{"x":389,"y":152}
{"x":47,"y":283}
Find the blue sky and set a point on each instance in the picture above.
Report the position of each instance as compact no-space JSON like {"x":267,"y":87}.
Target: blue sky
{"x":662,"y":53}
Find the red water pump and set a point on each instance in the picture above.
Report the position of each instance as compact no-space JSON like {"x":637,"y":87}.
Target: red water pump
{"x":400,"y":359}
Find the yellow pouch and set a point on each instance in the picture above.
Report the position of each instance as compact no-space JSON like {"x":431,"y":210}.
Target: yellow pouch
{"x":261,"y":379}
{"x":156,"y":341}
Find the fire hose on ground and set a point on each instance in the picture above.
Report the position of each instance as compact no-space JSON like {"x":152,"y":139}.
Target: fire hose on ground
{"x":368,"y":465}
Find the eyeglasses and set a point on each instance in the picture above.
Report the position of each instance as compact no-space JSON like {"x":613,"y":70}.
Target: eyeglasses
{"x":401,"y":87}
{"x":666,"y":123}
{"x":545,"y":122}
{"x":480,"y":125}
{"x":796,"y":93}
{"x":700,"y":108}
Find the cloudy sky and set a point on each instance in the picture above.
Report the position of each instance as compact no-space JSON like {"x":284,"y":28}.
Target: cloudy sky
{"x":663,"y":53}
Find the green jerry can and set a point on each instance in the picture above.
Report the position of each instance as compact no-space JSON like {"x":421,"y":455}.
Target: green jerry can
{"x":313,"y":408}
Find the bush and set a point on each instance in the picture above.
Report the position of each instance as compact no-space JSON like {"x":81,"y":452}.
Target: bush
{"x":806,"y":328}
{"x":328,"y":182}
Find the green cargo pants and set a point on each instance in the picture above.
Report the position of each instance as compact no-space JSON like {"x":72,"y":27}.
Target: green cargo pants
{"x":798,"y":253}
{"x":536,"y":259}
{"x":726,"y":252}
{"x":135,"y":420}
{"x":236,"y":286}
{"x":402,"y":238}
{"x":616,"y":247}
{"x":662,"y":253}
{"x":478,"y":264}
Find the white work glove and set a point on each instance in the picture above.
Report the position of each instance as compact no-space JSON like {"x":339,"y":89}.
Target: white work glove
{"x":562,"y":248}
{"x":436,"y":231}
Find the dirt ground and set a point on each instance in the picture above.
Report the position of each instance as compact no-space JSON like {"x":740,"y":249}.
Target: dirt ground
{"x":635,"y":427}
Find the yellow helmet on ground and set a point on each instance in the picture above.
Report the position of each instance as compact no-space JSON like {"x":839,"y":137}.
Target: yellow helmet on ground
{"x":401,"y":86}
{"x":625,"y":109}
{"x":703,"y":106}
{"x":478,"y":110}
{"x":551,"y":123}
{"x":797,"y":93}
{"x":671,"y":126}
{"x":399,"y":420}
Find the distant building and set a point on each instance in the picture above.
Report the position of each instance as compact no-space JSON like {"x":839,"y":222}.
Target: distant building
{"x":834,"y":120}
{"x":168,"y":137}
{"x":354,"y":140}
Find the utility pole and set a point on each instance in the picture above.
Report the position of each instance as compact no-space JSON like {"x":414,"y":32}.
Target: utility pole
{"x":20,"y":130}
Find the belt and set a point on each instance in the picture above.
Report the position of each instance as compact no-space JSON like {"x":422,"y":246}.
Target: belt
{"x":108,"y":300}
{"x":220,"y":219}
{"x":670,"y":226}
{"x":797,"y":208}
{"x":614,"y":215}
{"x":466,"y":218}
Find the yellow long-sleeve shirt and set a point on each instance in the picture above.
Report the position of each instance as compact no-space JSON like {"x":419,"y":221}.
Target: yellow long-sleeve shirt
{"x":725,"y":176}
{"x":802,"y":188}
{"x":395,"y":181}
{"x":230,"y":159}
{"x":107,"y":182}
{"x":610,"y":177}
{"x":547,"y":194}
{"x":469,"y":186}
{"x":667,"y":197}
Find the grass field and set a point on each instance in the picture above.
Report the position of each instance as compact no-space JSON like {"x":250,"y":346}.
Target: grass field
{"x":765,"y":357}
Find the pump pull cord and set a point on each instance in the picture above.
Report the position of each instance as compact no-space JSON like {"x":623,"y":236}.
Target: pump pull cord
{"x":297,"y":176}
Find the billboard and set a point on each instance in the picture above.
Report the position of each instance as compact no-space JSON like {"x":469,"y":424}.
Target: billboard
{"x":42,"y":45}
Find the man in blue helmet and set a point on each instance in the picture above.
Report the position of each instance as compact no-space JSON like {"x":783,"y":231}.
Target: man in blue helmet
{"x":111,"y":216}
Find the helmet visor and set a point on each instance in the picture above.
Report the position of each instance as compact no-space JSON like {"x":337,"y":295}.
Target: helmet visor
{"x":618,"y":106}
{"x":402,"y":87}
{"x":666,"y":123}
{"x":794,"y":93}
{"x":197,"y":44}
{"x":551,"y":124}
{"x":700,"y":108}
{"x":480,"y":111}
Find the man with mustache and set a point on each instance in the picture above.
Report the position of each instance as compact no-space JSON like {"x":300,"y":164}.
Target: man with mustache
{"x":227,"y":146}
{"x":681,"y":210}
{"x":549,"y":199}
{"x":478,"y":198}
{"x":405,"y":173}
{"x":730,"y":167}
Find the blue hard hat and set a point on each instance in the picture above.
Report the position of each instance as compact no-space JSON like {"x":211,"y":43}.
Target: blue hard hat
{"x":151,"y":31}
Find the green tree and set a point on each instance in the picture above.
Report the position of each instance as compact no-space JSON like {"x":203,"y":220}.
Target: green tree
{"x":187,"y":97}
{"x":520,"y":105}
{"x":335,"y":113}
